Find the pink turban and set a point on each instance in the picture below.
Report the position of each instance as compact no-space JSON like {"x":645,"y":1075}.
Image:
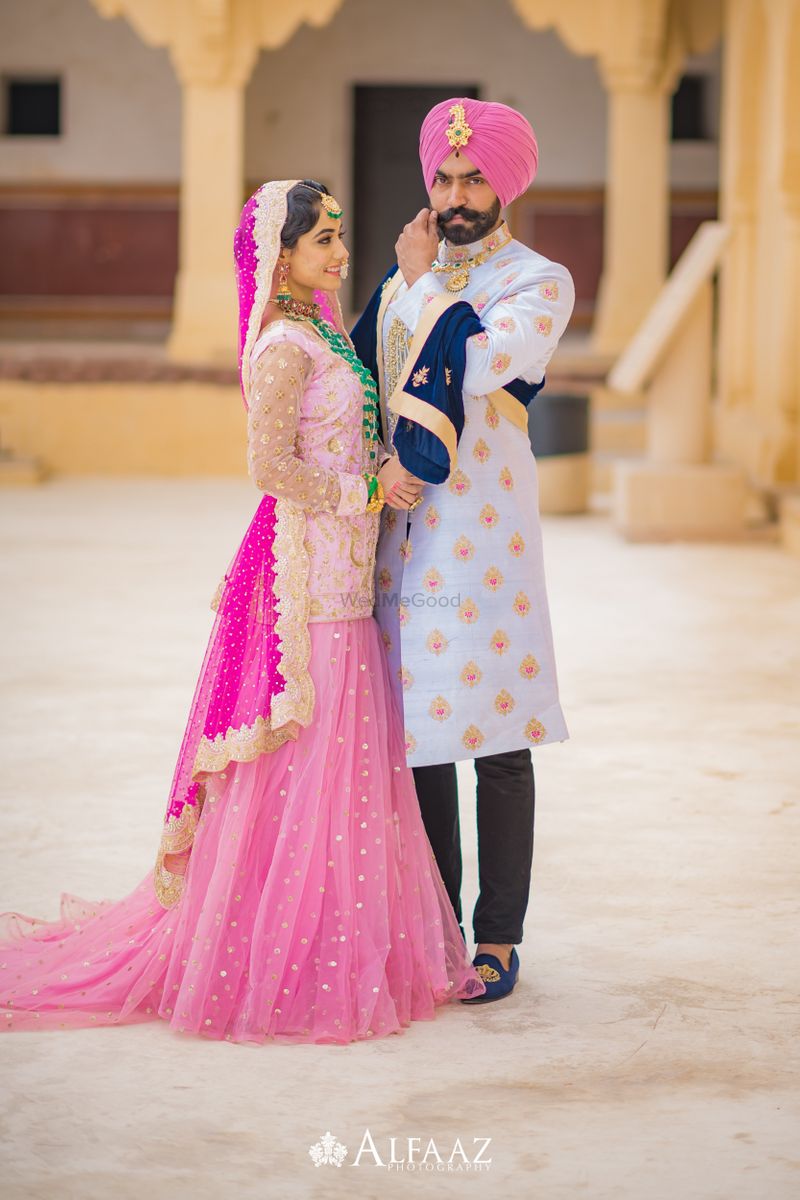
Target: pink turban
{"x":498,"y":139}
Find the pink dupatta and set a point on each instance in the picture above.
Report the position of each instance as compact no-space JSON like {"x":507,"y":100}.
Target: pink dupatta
{"x":254,"y":689}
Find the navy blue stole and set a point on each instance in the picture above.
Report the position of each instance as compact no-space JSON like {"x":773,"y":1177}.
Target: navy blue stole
{"x":429,"y":396}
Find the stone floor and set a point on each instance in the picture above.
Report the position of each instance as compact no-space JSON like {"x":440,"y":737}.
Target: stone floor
{"x":650,"y":1050}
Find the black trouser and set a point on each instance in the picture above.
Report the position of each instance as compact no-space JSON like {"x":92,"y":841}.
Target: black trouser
{"x":505,"y":839}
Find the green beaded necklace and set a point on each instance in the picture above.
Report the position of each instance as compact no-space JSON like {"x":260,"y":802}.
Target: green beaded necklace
{"x":340,"y":345}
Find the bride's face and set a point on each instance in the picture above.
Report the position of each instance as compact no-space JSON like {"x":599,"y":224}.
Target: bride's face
{"x":316,"y":261}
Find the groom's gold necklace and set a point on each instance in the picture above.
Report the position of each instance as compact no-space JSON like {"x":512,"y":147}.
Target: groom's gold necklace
{"x":459,"y":269}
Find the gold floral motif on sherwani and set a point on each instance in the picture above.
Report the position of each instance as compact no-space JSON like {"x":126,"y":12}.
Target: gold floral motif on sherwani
{"x":440,"y":709}
{"x":459,"y":483}
{"x":489,"y":516}
{"x":463,"y":549}
{"x":500,"y":641}
{"x":535,"y":731}
{"x":468,"y":612}
{"x":433,"y":581}
{"x":529,"y":667}
{"x":481,"y":451}
{"x":436,"y":642}
{"x":471,"y":674}
{"x":501,"y":363}
{"x":504,"y":702}
{"x":522,"y":605}
{"x":473,"y":739}
{"x":431,"y":517}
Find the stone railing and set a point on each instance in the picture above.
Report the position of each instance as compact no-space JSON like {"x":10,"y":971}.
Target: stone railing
{"x":678,"y":490}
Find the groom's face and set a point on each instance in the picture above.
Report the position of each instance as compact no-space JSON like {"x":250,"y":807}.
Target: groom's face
{"x":468,"y":208}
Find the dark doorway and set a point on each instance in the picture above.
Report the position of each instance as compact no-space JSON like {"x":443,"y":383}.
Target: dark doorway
{"x":387,"y":183}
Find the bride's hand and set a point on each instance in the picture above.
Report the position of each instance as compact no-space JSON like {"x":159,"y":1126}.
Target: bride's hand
{"x":400,"y":487}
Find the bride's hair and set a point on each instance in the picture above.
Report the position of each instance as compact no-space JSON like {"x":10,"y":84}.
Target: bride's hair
{"x":302,"y":213}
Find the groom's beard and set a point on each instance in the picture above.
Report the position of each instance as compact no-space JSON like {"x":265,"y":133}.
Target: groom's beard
{"x":476,"y":224}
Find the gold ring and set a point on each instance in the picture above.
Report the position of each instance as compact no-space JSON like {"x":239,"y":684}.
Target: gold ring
{"x":416,"y":504}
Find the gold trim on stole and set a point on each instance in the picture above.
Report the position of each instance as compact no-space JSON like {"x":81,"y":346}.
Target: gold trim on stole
{"x":510,"y":407}
{"x":404,"y":403}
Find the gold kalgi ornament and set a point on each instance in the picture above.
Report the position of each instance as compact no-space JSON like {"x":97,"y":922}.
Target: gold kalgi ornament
{"x":458,"y":131}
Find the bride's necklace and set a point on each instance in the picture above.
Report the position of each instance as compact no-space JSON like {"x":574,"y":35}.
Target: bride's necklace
{"x":302,"y":310}
{"x":459,"y":269}
{"x":341,"y":345}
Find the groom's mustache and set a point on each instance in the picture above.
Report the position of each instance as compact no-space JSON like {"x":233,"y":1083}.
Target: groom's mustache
{"x":468,"y":214}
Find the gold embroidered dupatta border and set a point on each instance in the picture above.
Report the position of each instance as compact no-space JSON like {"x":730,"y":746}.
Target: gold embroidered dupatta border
{"x":294,"y":704}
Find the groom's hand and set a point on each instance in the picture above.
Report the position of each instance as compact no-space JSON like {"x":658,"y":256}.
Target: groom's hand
{"x":418,"y":245}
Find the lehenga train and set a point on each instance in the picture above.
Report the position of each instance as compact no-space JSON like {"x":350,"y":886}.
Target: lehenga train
{"x":312,"y":909}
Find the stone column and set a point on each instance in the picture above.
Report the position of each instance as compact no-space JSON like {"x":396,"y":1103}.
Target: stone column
{"x":213,"y":45}
{"x":636,"y":205}
{"x":759,"y":360}
{"x":777,"y":381}
{"x":212,"y":173}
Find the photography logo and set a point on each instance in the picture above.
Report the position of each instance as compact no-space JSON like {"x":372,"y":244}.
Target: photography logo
{"x":327,"y":1152}
{"x":405,"y":1154}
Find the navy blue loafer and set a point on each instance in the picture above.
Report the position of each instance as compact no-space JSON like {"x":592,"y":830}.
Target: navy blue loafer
{"x":498,"y":981}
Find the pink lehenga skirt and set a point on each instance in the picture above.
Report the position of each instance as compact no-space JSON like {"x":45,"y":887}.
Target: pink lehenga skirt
{"x":312,"y":909}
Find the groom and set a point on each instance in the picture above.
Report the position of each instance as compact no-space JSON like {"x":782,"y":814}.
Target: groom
{"x":458,"y":337}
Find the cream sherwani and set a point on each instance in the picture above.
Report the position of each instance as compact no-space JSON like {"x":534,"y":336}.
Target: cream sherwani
{"x":460,"y":590}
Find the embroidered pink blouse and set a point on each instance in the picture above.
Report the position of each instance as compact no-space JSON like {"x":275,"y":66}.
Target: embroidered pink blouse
{"x":306,"y":447}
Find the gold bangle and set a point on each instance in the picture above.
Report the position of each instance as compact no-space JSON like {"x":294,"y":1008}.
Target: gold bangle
{"x":376,"y":503}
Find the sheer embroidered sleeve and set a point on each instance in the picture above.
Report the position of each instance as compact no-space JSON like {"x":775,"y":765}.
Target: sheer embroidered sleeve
{"x":278,"y":379}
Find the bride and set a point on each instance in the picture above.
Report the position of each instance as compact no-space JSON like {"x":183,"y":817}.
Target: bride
{"x":295,"y":896}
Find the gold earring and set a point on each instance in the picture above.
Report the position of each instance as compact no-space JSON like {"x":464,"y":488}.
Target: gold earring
{"x":283,"y":282}
{"x":344,"y":270}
